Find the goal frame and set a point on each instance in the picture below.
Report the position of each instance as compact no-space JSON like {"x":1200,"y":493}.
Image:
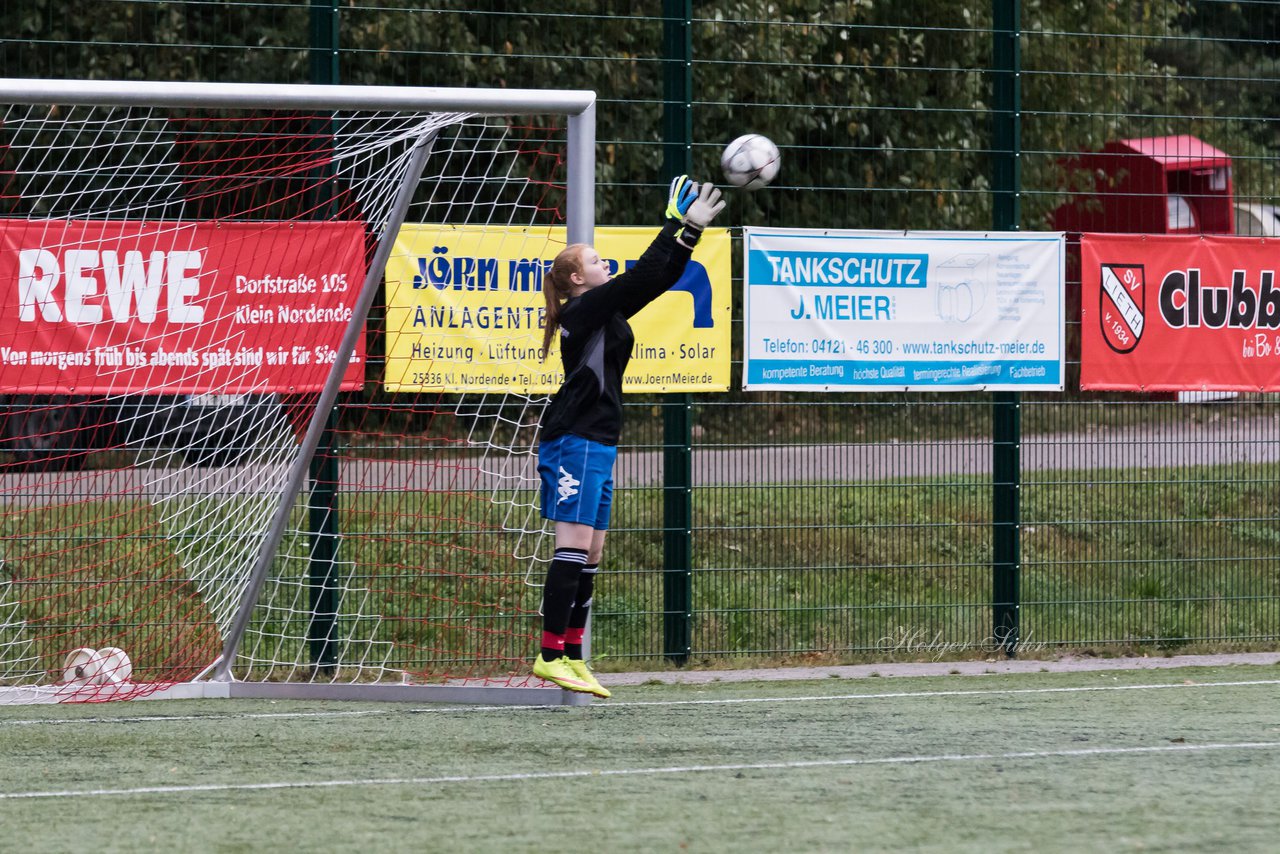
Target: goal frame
{"x":578,"y":108}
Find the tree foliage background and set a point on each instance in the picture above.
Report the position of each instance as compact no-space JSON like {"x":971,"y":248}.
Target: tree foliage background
{"x":882,"y":109}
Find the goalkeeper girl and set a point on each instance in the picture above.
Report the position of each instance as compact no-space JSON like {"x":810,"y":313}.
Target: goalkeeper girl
{"x":583,"y":422}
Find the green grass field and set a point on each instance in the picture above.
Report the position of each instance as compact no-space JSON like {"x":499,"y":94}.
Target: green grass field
{"x":1119,"y":761}
{"x":826,"y":569}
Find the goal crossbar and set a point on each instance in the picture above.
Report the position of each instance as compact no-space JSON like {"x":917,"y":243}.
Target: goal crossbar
{"x":141,"y":93}
{"x":579,"y":106}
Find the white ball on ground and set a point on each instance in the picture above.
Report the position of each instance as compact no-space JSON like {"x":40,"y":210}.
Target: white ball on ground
{"x":81,"y":666}
{"x":116,"y":666}
{"x":750,"y":161}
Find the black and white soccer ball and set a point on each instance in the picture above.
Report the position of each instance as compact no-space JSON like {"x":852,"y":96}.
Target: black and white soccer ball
{"x":751,"y":161}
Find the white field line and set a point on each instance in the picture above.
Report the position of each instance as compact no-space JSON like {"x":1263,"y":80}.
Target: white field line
{"x":624,"y":704}
{"x":992,"y":692}
{"x":596,"y":773}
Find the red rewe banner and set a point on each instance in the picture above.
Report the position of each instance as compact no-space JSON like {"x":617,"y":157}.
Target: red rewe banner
{"x":1179,"y":313}
{"x":182,"y":308}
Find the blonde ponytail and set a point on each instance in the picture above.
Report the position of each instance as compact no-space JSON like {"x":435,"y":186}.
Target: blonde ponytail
{"x":556,"y":287}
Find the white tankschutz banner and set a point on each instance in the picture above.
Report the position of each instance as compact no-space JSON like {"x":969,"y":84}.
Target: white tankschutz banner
{"x":832,"y":310}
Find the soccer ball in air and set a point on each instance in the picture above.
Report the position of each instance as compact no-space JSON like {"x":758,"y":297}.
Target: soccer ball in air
{"x":750,"y":161}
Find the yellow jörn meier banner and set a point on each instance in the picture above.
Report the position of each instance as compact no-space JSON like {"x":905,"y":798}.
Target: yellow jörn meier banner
{"x":465,"y":312}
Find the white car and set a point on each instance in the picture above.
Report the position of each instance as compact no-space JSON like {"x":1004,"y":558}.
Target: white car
{"x":1257,"y":219}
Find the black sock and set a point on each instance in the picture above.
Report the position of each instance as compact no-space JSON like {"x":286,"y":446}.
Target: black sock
{"x":557,"y":599}
{"x":581,"y":609}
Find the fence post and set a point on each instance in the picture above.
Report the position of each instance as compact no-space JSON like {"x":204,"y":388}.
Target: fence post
{"x":677,"y":427}
{"x":1006,"y":421}
{"x":322,"y":509}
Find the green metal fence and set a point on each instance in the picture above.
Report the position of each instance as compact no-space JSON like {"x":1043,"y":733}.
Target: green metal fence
{"x":774,"y":524}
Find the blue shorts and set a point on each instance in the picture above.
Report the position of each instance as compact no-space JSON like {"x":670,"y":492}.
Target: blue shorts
{"x":577,"y":480}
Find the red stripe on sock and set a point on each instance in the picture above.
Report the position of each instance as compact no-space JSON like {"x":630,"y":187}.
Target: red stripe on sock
{"x":573,"y":635}
{"x":551,"y":641}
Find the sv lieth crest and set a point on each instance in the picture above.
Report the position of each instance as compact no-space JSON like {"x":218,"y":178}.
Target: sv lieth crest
{"x":1122,"y":304}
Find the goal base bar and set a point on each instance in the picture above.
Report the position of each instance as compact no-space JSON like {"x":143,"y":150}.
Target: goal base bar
{"x":470,"y":695}
{"x":462,"y":694}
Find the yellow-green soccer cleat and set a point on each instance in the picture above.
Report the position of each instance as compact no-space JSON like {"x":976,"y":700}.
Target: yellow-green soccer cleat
{"x":558,"y":671}
{"x":584,"y":673}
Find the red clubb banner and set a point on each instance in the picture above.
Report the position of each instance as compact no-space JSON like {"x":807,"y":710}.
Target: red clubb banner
{"x":1179,"y":313}
{"x":168,"y":307}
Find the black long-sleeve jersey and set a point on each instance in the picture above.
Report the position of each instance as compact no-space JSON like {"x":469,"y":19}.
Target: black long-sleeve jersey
{"x":596,"y":342}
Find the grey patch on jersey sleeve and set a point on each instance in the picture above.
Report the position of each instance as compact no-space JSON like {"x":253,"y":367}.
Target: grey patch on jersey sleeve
{"x":594,"y":358}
